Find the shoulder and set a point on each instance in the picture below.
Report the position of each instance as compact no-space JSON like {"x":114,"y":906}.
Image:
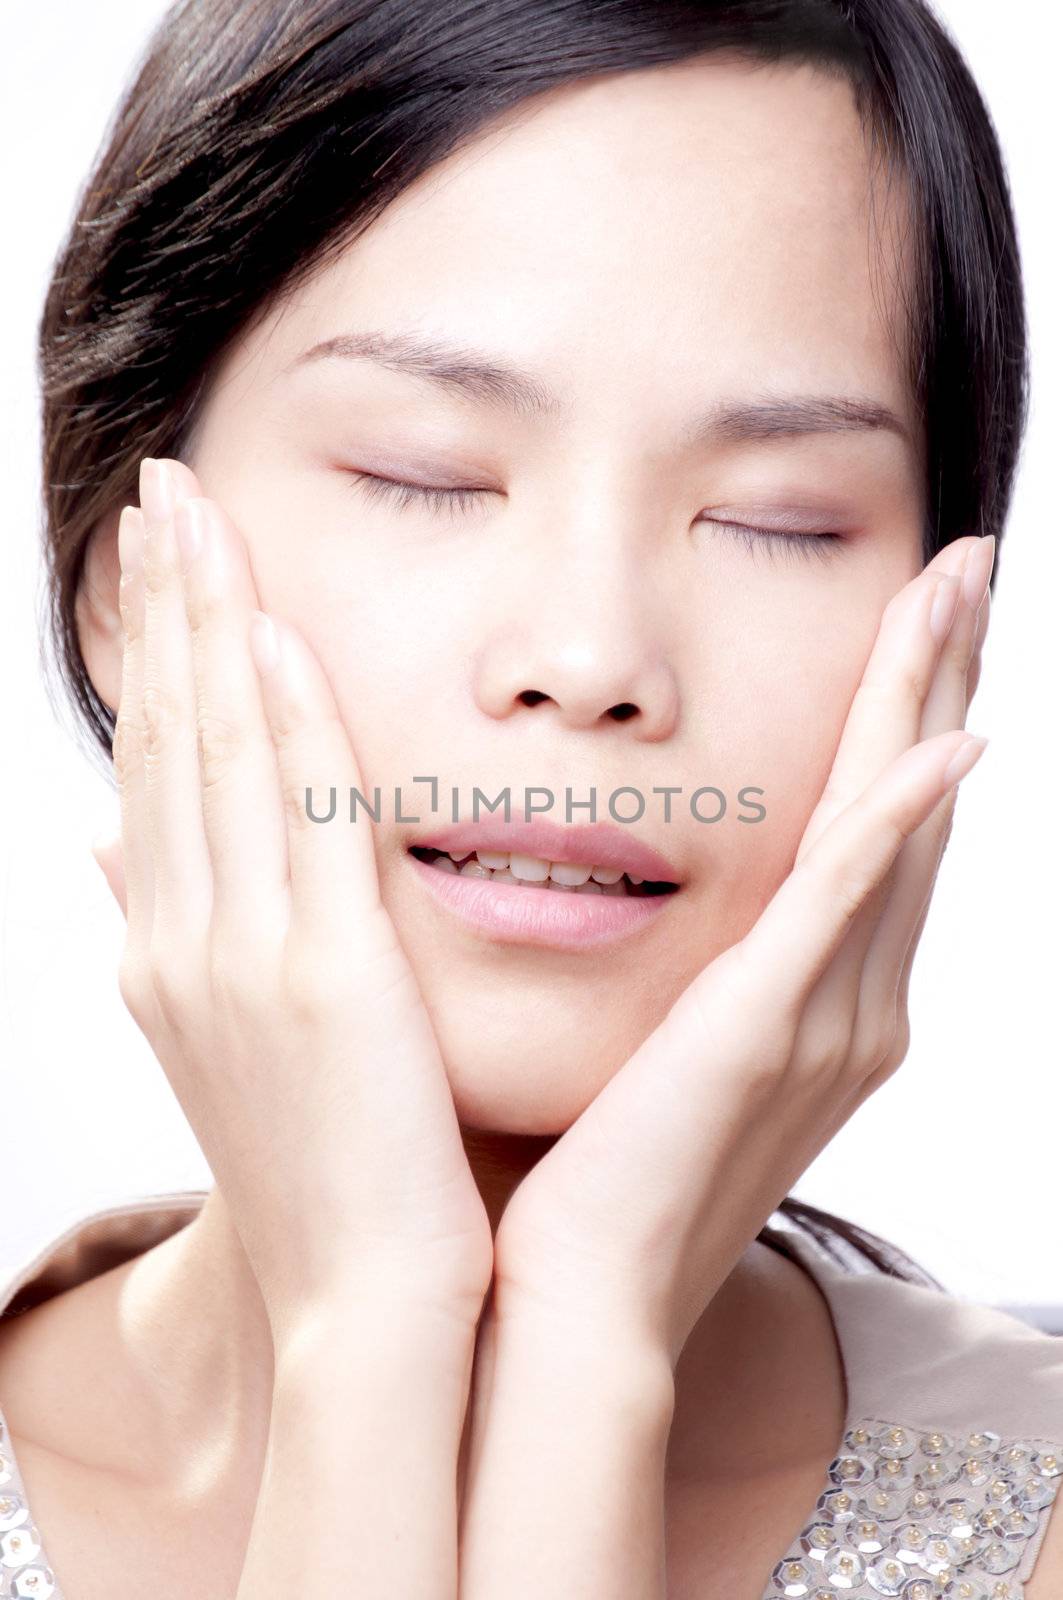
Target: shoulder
{"x":958,"y":1405}
{"x":50,"y":1322}
{"x":938,"y":1361}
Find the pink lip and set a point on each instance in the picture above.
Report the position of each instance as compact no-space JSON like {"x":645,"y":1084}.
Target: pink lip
{"x":597,"y":844}
{"x":514,"y":913}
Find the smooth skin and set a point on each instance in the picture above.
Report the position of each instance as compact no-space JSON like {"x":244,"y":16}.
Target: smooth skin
{"x":677,"y":231}
{"x":264,"y":971}
{"x":271,"y":985}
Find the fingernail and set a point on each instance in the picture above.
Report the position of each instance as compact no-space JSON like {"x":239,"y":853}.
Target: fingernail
{"x":964,"y":760}
{"x":156,"y":490}
{"x":943,"y":610}
{"x":977,"y":571}
{"x":188,"y":527}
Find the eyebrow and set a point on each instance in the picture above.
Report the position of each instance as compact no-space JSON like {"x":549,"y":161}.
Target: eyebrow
{"x":476,"y":376}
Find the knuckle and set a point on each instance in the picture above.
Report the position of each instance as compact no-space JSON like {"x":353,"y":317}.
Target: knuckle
{"x":162,"y":714}
{"x":125,"y":747}
{"x":884,"y":1048}
{"x":173,"y":981}
{"x":891,"y":1046}
{"x":850,"y":892}
{"x":834,"y":1049}
{"x":157,"y":575}
{"x":296,"y":810}
{"x":134,"y":985}
{"x":878,"y":1040}
{"x":897,"y":1048}
{"x":219,"y":740}
{"x":956,"y":651}
{"x":913,"y":681}
{"x":128,"y":608}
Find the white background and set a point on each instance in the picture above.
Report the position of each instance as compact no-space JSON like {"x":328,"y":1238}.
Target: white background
{"x":959,"y":1158}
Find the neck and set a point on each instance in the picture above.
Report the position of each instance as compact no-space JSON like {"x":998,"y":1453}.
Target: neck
{"x":174,"y":1358}
{"x":201,"y":1384}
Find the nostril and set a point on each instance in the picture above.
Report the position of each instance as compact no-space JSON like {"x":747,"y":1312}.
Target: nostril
{"x":622,"y":712}
{"x":531,"y":697}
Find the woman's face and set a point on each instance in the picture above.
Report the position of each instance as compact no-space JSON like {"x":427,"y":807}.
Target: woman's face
{"x":654,"y":248}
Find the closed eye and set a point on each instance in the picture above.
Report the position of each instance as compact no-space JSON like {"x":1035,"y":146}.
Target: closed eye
{"x":405,"y":494}
{"x":464,"y":498}
{"x":771,"y":541}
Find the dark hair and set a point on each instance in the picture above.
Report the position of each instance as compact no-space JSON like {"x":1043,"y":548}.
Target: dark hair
{"x":261,"y":136}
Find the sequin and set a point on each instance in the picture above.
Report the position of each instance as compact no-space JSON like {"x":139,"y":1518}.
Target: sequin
{"x":12,"y":1509}
{"x":921,"y":1516}
{"x":19,"y":1545}
{"x":33,"y":1583}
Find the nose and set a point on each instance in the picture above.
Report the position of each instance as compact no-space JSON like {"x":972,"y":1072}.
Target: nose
{"x":580,"y":642}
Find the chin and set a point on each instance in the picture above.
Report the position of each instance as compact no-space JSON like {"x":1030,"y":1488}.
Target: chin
{"x":537,"y":1087}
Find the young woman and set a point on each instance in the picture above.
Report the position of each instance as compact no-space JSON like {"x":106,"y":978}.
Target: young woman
{"x":604,"y":400}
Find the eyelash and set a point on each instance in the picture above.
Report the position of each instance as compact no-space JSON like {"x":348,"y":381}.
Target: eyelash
{"x":452,"y":500}
{"x":457,"y":500}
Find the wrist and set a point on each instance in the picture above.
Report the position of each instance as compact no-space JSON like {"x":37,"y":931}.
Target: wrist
{"x":588,"y":1359}
{"x":373,"y":1327}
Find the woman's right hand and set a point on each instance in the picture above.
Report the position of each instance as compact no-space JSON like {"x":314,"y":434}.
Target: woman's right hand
{"x":259,"y":960}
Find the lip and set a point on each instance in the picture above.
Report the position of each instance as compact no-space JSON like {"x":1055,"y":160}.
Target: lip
{"x":513,"y":913}
{"x":596,"y":844}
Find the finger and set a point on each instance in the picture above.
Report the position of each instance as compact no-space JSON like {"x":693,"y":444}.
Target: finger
{"x":332,"y":864}
{"x":127,"y":744}
{"x":974,"y":671}
{"x":792,"y":943}
{"x":913,"y":667}
{"x":181,"y":864}
{"x":865,"y":976}
{"x":894,"y":939}
{"x":243,"y":822}
{"x":887,"y":708}
{"x":948,"y":700}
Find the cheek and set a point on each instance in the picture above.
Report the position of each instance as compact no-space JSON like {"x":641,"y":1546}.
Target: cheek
{"x":393,"y":656}
{"x":776,"y":717}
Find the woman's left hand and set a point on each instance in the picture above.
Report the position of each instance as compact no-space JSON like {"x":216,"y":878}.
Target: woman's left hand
{"x":638,"y":1213}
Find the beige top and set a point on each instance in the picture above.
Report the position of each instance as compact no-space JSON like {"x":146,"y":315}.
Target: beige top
{"x":951,"y":1455}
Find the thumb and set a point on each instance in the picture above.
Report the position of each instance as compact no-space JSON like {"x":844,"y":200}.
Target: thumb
{"x":107,"y":853}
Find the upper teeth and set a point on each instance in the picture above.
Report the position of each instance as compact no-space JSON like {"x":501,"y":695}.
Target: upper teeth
{"x":532,"y":869}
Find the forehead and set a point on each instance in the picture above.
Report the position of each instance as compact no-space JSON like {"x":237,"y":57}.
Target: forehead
{"x":682,"y":227}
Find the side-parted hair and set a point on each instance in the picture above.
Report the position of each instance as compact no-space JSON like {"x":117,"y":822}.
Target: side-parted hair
{"x":258,"y":138}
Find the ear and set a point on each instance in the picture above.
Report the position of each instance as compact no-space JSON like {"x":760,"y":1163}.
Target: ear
{"x":99,"y":621}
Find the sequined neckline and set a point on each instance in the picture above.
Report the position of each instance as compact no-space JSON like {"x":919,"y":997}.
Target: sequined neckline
{"x":903,"y":1512}
{"x":912,"y":1512}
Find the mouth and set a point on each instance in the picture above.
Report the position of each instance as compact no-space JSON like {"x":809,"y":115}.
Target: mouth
{"x":565,"y":888}
{"x":563,"y":877}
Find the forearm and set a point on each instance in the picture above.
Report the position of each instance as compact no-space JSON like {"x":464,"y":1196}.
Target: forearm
{"x":564,"y":1490}
{"x":359,"y":1487}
